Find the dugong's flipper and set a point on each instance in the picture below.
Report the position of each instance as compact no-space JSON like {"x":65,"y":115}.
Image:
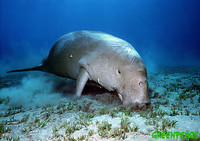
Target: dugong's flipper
{"x":82,"y":79}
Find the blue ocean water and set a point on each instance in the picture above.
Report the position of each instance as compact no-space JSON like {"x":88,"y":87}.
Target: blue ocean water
{"x":165,"y":33}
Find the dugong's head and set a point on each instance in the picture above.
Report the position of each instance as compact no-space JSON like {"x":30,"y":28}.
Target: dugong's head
{"x":133,"y":84}
{"x":128,"y":77}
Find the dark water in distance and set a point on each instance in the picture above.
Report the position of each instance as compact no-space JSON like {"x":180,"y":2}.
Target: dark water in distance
{"x":164,"y":32}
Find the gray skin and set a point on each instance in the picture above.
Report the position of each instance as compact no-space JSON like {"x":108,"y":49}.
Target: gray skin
{"x":99,"y":57}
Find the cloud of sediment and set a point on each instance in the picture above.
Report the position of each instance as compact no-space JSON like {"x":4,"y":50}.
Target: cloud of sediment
{"x":33,"y":91}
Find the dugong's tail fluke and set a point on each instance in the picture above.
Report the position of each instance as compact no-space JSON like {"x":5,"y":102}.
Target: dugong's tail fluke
{"x":38,"y":68}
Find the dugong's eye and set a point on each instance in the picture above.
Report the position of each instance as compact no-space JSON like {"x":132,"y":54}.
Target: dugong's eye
{"x":141,"y":84}
{"x":118,"y":71}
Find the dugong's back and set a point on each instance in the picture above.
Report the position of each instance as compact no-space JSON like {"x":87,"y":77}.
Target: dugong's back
{"x":65,"y":55}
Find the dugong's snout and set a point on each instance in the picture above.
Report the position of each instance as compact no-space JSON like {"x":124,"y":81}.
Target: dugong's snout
{"x":137,"y":94}
{"x":143,"y":96}
{"x":142,"y":99}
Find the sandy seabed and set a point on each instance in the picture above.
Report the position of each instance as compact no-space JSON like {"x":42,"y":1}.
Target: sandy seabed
{"x":39,"y":106}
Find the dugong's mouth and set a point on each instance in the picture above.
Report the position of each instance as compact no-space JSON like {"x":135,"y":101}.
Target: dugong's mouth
{"x":133,"y":100}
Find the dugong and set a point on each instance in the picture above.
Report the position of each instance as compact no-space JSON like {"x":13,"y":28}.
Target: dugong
{"x":101,"y":58}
